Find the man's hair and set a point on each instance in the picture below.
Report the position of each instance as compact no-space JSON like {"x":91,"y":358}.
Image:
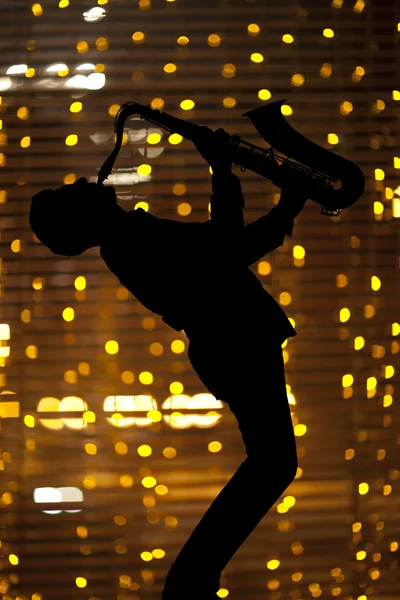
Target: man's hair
{"x":62,"y":221}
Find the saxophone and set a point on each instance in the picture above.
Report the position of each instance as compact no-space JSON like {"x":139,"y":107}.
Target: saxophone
{"x":333,"y":181}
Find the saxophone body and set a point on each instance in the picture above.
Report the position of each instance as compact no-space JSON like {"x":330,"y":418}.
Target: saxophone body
{"x":333,"y":181}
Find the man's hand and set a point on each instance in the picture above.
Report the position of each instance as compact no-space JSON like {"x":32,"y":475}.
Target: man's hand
{"x":215,"y":147}
{"x":295,"y":191}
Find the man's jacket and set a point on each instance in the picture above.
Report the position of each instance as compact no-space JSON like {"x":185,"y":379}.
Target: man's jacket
{"x":196,"y":274}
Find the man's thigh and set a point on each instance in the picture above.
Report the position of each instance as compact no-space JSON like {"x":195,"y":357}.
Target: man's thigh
{"x":236,"y":363}
{"x":252,"y":382}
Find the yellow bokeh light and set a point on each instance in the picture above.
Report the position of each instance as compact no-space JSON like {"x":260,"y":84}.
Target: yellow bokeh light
{"x":346,"y":108}
{"x":126,"y":481}
{"x":37,"y":10}
{"x":359,"y":342}
{"x":347,"y":380}
{"x":256,"y":57}
{"x":299,"y":252}
{"x":82,"y":531}
{"x":31,"y":351}
{"x":149,"y":482}
{"x":264,"y":94}
{"x":102,"y":44}
{"x":127,"y":377}
{"x":38,"y":283}
{"x":146,"y":378}
{"x":84,"y":368}
{"x":25,"y":142}
{"x":156,"y":349}
{"x":170,"y":68}
{"x":91,"y":449}
{"x":333,"y":138}
{"x":68,"y":314}
{"x":285,"y":298}
{"x":15,"y":246}
{"x":71,"y":140}
{"x":89,"y":482}
{"x":298,"y":80}
{"x":112,"y":347}
{"x":144,"y":450}
{"x":288,"y":38}
{"x":344,"y":315}
{"x":80,"y":283}
{"x":214,"y":40}
{"x":146,"y":556}
{"x":187,"y":104}
{"x":26,"y":315}
{"x":264,"y":267}
{"x":176,"y":387}
{"x":214,"y":447}
{"x":138,"y":37}
{"x":13,"y":558}
{"x":148,"y":323}
{"x":286,"y":110}
{"x":253,"y":29}
{"x":89,"y":416}
{"x":300,"y":429}
{"x":121,"y":448}
{"x":341,"y":280}
{"x":175,"y":139}
{"x":153,"y":138}
{"x":375,"y":283}
{"x":178,"y":346}
{"x":144,"y":169}
{"x":70,"y":376}
{"x":23,"y":113}
{"x":326,"y":70}
{"x":75,"y":107}
{"x":81,"y":582}
{"x":157,"y":103}
{"x":228,"y":71}
{"x":29,"y":420}
{"x":228,"y":102}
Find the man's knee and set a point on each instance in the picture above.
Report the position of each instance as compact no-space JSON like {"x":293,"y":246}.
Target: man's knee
{"x":276,"y":465}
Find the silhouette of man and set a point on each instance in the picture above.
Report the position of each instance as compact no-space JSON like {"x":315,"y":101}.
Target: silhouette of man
{"x":196,"y":276}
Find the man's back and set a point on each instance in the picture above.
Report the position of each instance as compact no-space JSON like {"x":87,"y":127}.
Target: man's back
{"x":183,"y":272}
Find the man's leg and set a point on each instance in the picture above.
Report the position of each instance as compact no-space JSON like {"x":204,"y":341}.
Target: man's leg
{"x":261,"y":407}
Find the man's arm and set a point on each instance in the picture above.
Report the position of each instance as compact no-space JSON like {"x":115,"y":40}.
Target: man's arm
{"x":268,"y":232}
{"x":265,"y":234}
{"x":248,"y":244}
{"x":227,"y":199}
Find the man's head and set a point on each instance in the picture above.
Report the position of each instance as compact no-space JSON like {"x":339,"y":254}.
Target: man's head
{"x":72,"y":218}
